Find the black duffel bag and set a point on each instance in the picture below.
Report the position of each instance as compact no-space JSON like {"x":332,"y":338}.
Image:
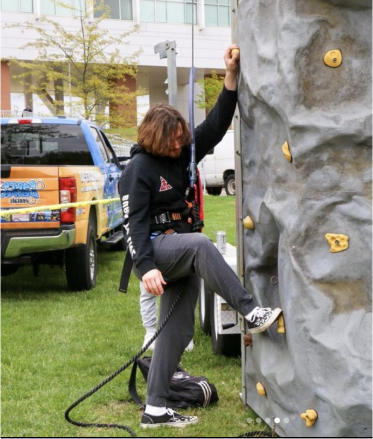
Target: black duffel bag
{"x":186,"y":390}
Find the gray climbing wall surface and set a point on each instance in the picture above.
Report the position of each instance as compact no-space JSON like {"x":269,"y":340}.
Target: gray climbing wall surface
{"x":320,"y":185}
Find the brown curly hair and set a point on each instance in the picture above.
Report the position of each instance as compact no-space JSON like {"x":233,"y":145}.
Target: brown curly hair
{"x":158,"y":130}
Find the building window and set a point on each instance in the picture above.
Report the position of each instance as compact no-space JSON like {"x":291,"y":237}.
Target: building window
{"x":217,"y":13}
{"x":168,"y":11}
{"x":118,"y":9}
{"x":16,"y":5}
{"x":54,"y":7}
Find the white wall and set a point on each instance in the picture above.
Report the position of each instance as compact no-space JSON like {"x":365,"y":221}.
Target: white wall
{"x":209,"y":42}
{"x":209,"y":46}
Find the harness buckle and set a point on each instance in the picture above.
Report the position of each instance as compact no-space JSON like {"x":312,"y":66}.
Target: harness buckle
{"x":163,"y":218}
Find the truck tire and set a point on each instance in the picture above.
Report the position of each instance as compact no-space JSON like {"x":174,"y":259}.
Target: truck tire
{"x":7,"y":270}
{"x":230,"y":185}
{"x":205,"y":298}
{"x":223,"y":344}
{"x":214,"y":190}
{"x":81,"y":262}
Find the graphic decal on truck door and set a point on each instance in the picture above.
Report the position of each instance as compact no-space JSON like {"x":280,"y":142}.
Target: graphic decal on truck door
{"x":21,"y":192}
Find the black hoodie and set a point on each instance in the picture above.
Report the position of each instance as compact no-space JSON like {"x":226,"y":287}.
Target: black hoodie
{"x":151,"y":185}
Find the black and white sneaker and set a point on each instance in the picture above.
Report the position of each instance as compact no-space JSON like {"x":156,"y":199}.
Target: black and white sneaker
{"x":261,"y":319}
{"x":170,"y":418}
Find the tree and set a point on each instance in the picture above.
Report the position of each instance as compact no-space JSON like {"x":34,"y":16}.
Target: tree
{"x":84,"y":63}
{"x":211,"y":87}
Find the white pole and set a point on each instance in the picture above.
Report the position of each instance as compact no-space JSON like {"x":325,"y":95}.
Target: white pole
{"x":70,"y":89}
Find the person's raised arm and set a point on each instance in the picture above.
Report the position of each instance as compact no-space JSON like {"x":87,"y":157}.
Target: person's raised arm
{"x":211,"y":131}
{"x":231,"y":59}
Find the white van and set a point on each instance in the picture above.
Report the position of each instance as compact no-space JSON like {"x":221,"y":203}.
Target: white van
{"x":217,"y":168}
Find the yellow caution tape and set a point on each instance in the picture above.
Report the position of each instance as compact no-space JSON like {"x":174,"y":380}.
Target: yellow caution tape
{"x":8,"y":212}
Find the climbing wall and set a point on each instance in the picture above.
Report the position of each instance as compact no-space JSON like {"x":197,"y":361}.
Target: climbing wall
{"x":305,"y":104}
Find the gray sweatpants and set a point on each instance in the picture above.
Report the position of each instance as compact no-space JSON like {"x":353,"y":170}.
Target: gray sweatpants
{"x":186,"y":257}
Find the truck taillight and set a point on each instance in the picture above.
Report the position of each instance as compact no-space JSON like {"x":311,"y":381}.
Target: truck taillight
{"x":24,"y":121}
{"x":67,"y":195}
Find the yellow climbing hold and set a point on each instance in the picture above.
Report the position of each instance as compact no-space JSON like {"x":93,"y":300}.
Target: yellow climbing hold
{"x":310,"y":417}
{"x":286,"y":152}
{"x":281,"y":325}
{"x":233,"y":51}
{"x":248,"y":223}
{"x":338,"y":243}
{"x":333,"y":58}
{"x":260,"y":389}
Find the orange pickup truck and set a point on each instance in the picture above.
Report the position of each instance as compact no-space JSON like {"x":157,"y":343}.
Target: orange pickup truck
{"x":48,"y":162}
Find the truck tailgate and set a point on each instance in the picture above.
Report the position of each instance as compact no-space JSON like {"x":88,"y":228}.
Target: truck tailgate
{"x":30,"y":186}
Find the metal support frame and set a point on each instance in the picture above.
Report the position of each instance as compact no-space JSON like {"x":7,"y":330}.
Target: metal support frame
{"x":239,"y":212}
{"x":167,"y":49}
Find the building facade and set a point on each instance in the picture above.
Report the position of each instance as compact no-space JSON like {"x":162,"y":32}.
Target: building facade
{"x":157,"y":21}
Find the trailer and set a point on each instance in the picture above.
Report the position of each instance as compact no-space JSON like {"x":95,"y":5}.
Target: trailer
{"x":303,"y":199}
{"x":217,"y":318}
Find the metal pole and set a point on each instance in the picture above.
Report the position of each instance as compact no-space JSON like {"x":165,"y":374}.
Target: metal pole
{"x":167,"y":49}
{"x":70,"y":112}
{"x":171,"y":74}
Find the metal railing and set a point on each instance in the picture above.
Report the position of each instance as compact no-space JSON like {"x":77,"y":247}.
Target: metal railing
{"x":120,"y":145}
{"x":10,"y":113}
{"x":16,"y":113}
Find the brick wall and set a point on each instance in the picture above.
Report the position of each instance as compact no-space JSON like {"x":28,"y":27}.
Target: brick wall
{"x":128,"y":111}
{"x":5,"y":86}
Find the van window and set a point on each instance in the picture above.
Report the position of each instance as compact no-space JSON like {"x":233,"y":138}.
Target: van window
{"x":44,"y":144}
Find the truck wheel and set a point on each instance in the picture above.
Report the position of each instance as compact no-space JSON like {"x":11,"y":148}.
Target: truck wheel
{"x":7,"y":270}
{"x":205,"y":297}
{"x":230,"y":185}
{"x":81,"y":262}
{"x":214,"y":190}
{"x":223,"y":344}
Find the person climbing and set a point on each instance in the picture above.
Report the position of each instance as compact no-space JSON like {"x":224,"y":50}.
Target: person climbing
{"x":167,"y":257}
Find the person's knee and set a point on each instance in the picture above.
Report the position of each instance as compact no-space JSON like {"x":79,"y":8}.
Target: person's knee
{"x":197,"y":245}
{"x":198,"y":240}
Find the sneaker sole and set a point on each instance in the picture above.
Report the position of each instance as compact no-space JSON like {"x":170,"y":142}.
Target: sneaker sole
{"x":168,"y":424}
{"x":275,"y":315}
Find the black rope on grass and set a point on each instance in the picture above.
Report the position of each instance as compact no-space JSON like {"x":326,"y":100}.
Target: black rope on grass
{"x":116,"y":373}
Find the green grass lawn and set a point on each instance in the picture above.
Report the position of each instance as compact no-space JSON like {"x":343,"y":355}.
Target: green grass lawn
{"x":58,"y":345}
{"x":220,"y":215}
{"x":126,"y":133}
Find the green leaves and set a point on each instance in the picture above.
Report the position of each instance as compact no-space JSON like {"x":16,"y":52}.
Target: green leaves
{"x":88,"y":61}
{"x":211,"y":87}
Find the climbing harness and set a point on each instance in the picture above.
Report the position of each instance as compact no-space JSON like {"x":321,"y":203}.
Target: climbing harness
{"x":168,"y":217}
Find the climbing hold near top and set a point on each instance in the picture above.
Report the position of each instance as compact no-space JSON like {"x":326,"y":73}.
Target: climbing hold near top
{"x":333,"y":58}
{"x":260,"y":389}
{"x":248,"y":223}
{"x":286,"y":152}
{"x":233,"y":51}
{"x":310,"y":417}
{"x":338,"y":243}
